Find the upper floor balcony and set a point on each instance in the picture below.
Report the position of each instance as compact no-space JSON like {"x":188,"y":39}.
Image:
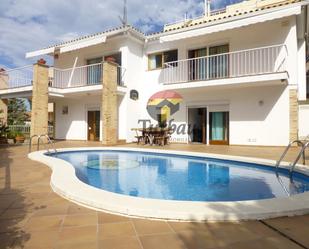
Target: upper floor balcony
{"x":243,"y":66}
{"x":18,"y":82}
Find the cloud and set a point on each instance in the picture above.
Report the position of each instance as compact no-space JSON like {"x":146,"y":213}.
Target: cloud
{"x":27,"y":25}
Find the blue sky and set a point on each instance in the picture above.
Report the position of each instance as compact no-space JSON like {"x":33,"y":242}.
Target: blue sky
{"x":27,"y":25}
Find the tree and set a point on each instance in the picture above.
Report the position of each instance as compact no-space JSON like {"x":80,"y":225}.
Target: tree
{"x":17,"y":111}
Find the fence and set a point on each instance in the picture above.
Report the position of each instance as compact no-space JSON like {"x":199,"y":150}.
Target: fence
{"x":25,"y":129}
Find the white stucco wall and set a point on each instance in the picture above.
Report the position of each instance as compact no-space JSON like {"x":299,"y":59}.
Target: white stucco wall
{"x":74,"y":125}
{"x":259,"y":115}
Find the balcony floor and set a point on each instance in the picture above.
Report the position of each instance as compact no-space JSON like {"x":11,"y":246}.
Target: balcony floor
{"x":32,"y":216}
{"x":253,"y":80}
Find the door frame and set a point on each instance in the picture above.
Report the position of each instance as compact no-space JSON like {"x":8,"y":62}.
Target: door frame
{"x":221,"y":142}
{"x":92,"y":108}
{"x":196,"y":106}
{"x":211,"y":106}
{"x":204,"y":124}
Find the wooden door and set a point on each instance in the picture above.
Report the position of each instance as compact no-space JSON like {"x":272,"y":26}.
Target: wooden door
{"x":93,"y":125}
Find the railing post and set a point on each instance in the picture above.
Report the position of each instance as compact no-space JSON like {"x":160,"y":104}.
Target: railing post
{"x":109,"y":104}
{"x":4,"y":78}
{"x":39,"y":112}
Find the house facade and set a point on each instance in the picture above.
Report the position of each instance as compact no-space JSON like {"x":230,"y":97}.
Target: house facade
{"x":240,"y":72}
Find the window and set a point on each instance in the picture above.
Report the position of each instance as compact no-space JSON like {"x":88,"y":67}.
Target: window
{"x":156,"y":61}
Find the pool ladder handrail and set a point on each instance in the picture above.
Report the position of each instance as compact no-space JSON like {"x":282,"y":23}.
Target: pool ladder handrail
{"x":286,"y":151}
{"x":301,"y":153}
{"x":50,"y":142}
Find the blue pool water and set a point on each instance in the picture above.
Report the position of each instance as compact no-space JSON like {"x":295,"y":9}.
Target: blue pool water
{"x":172,"y":177}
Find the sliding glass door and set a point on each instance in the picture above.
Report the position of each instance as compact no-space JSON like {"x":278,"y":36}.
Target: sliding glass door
{"x":218,"y":61}
{"x":198,"y":66}
{"x":219,"y":127}
{"x":94,"y":72}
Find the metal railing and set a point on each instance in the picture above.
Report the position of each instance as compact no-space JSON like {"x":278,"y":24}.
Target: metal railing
{"x":25,"y":129}
{"x":212,"y":13}
{"x":298,"y":142}
{"x":17,"y":77}
{"x":49,"y":142}
{"x":76,"y":77}
{"x":300,"y":154}
{"x":248,"y":62}
{"x":81,"y":76}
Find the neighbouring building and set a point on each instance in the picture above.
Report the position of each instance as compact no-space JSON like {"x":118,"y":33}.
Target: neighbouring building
{"x":241,"y":73}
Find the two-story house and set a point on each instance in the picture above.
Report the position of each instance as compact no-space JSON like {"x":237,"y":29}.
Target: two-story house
{"x":241,"y":73}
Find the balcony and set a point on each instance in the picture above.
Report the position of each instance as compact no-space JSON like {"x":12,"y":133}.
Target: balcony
{"x":250,"y":62}
{"x":88,"y":75}
{"x":17,"y":77}
{"x":18,"y":82}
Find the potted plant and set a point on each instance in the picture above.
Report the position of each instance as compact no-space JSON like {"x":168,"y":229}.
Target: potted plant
{"x":19,"y":137}
{"x":3,"y":134}
{"x":11,"y":137}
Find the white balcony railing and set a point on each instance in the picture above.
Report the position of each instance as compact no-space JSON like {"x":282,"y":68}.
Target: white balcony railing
{"x":76,"y":77}
{"x":249,"y":62}
{"x":17,"y":77}
{"x":81,"y":76}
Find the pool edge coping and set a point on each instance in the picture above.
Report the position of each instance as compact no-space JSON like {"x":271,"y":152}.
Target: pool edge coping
{"x":65,"y":183}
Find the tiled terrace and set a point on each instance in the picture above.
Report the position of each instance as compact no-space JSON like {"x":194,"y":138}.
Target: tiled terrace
{"x":32,"y":216}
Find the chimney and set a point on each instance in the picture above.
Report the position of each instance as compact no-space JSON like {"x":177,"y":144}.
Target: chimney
{"x":207,"y":7}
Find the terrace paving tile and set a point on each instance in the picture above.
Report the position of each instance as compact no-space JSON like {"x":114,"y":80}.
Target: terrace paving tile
{"x":76,"y":209}
{"x":162,"y":241}
{"x":13,"y":214}
{"x":145,"y":227}
{"x":276,"y":242}
{"x":38,"y":239}
{"x":48,"y":210}
{"x":231,"y":232}
{"x":110,"y":218}
{"x":78,"y":245}
{"x":7,"y":239}
{"x":199,"y":239}
{"x":121,"y":229}
{"x":82,"y":234}
{"x":44,"y":223}
{"x":296,"y":228}
{"x":120,"y":243}
{"x":80,"y":220}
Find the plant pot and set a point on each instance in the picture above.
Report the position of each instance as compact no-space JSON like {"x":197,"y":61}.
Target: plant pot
{"x":3,"y":140}
{"x":20,"y":140}
{"x":11,"y":141}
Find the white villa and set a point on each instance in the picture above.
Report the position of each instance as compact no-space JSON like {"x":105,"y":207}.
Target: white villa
{"x":241,"y":73}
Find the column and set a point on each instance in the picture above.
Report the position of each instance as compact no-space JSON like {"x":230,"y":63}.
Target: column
{"x":39,"y":112}
{"x":109,"y":104}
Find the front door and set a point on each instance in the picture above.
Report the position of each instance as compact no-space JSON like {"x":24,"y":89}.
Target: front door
{"x":219,"y":128}
{"x":93,"y":125}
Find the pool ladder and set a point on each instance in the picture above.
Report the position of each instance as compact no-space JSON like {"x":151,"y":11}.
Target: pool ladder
{"x":304,"y":144}
{"x":49,"y":143}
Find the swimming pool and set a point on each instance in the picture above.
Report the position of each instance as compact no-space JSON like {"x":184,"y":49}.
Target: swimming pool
{"x":176,"y":185}
{"x":175,"y":177}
